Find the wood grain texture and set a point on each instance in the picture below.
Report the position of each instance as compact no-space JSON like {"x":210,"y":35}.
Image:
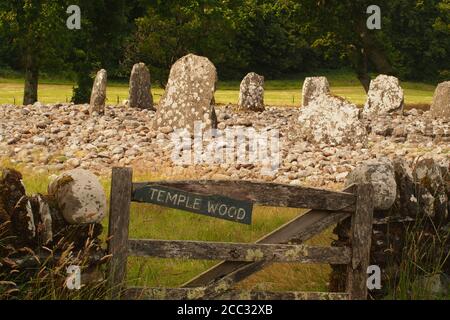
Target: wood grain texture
{"x":246,"y":252}
{"x":201,"y":294}
{"x":119,"y":220}
{"x":361,"y":237}
{"x":265,"y":194}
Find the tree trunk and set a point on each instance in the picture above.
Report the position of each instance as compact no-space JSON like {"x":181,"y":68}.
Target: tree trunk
{"x":358,"y":59}
{"x":30,"y":94}
{"x":375,"y":53}
{"x":362,"y":70}
{"x":371,"y":50}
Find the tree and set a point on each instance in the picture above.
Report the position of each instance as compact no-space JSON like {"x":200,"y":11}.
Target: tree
{"x":171,"y":29}
{"x":412,"y":43}
{"x":417,"y":37}
{"x":344,"y":22}
{"x":99,"y":43}
{"x":237,"y":36}
{"x":37,"y":31}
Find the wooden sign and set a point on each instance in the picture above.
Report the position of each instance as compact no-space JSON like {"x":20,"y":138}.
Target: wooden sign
{"x":215,"y":206}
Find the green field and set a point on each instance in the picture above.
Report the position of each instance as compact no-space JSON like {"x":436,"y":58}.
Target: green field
{"x":277,"y":92}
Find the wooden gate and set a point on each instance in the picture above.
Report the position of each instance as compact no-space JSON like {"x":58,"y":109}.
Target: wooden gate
{"x":241,"y":260}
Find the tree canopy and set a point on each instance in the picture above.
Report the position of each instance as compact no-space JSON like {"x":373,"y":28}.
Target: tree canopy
{"x":276,"y":38}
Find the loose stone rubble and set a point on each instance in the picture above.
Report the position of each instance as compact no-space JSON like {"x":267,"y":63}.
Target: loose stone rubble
{"x":53,"y":138}
{"x":189,"y":94}
{"x":385,"y":96}
{"x":251,"y":94}
{"x":98,"y":95}
{"x":140,"y":88}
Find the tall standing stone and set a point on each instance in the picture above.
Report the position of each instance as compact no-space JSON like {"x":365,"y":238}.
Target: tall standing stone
{"x":385,"y":96}
{"x":314,"y":87}
{"x":98,"y":95}
{"x":189,"y":95}
{"x":140,"y":88}
{"x":440,"y":108}
{"x":251,"y":94}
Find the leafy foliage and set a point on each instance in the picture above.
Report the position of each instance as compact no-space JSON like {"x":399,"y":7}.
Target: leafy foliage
{"x":274,"y":38}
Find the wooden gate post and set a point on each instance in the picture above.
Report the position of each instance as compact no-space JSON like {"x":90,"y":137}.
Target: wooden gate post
{"x":361,"y":239}
{"x":119,"y":218}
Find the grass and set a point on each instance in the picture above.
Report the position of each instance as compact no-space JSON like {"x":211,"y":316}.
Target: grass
{"x":425,"y":254}
{"x":285,"y":92}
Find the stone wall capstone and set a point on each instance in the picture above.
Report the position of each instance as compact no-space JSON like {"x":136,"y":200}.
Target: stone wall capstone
{"x":417,"y":219}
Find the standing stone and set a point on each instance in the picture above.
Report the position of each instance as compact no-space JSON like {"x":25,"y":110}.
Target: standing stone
{"x":331,"y":120}
{"x":98,"y":95}
{"x":189,"y":95}
{"x":440,"y":108}
{"x":140,"y":88}
{"x":313,"y":88}
{"x":251,"y":95}
{"x":385,"y":96}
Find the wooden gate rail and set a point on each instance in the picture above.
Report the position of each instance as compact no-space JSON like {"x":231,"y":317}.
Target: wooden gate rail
{"x":244,"y":259}
{"x":199,"y":293}
{"x":265,"y":193}
{"x":248,"y":252}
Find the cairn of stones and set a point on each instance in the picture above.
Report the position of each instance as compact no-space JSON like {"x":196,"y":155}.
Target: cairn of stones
{"x":251,"y":93}
{"x":189,"y":95}
{"x":98,"y":95}
{"x":140,"y":88}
